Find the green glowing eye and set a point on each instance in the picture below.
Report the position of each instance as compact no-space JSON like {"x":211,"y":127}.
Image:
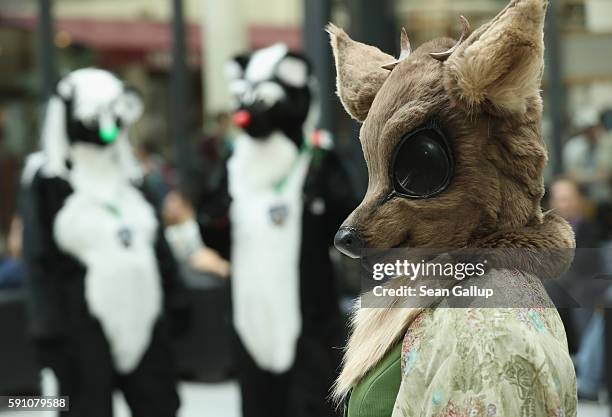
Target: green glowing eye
{"x":109,"y":134}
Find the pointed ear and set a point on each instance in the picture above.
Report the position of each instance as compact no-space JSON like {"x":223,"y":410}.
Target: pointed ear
{"x":499,"y":67}
{"x":359,"y":72}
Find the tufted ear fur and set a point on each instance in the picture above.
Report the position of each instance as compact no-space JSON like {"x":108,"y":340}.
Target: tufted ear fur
{"x":499,"y":67}
{"x":359,"y":72}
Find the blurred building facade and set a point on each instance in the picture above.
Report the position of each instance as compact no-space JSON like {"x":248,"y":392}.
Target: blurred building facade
{"x":134,"y":39}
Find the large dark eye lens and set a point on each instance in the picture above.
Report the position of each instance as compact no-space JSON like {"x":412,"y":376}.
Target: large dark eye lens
{"x":422,"y":165}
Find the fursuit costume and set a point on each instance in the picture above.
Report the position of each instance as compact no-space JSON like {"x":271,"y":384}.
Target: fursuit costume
{"x":451,"y":134}
{"x":100,"y":274}
{"x":289,"y":193}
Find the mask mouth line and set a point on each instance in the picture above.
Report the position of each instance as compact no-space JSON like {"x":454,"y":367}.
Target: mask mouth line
{"x":402,"y":244}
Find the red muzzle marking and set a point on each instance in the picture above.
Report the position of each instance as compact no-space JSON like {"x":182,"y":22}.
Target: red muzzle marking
{"x":241,"y":118}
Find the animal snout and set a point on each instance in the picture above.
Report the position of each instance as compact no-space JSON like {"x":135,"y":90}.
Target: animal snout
{"x":242,"y":118}
{"x":349,"y":242}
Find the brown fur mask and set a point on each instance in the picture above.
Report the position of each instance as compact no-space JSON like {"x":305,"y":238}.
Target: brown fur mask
{"x":485,"y":97}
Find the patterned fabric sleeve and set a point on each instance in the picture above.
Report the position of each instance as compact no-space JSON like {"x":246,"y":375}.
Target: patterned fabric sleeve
{"x":485,"y":363}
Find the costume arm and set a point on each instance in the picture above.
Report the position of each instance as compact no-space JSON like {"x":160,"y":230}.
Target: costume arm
{"x":175,"y":292}
{"x":212,"y":211}
{"x":48,"y":270}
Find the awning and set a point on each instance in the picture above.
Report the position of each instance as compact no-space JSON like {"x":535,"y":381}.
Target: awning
{"x":147,"y":36}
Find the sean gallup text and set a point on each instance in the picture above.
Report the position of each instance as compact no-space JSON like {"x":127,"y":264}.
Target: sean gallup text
{"x":424,"y":291}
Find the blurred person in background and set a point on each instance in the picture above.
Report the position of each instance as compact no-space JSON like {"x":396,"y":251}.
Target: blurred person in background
{"x":212,"y":200}
{"x":155,"y":173}
{"x":569,"y":199}
{"x":289,"y":193}
{"x":584,"y":325}
{"x":590,"y":359}
{"x":587,"y":157}
{"x":216,"y":145}
{"x":102,"y":281}
{"x":11,"y":267}
{"x":183,"y":235}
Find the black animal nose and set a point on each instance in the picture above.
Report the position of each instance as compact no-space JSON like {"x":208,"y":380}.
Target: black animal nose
{"x":349,"y":242}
